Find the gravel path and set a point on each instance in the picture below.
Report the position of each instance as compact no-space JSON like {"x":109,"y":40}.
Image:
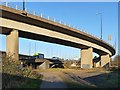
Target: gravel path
{"x":52,"y":80}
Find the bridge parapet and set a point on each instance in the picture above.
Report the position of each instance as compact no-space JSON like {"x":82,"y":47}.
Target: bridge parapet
{"x":10,"y":5}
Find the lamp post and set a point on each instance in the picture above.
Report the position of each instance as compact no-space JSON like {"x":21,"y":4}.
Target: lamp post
{"x":101,"y":23}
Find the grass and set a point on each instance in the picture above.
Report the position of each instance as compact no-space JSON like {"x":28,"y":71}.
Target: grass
{"x":15,"y":77}
{"x":112,"y":80}
{"x":31,"y":84}
{"x":33,"y":81}
{"x":115,"y":79}
{"x":73,"y":84}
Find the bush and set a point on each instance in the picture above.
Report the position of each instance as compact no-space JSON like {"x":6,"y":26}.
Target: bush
{"x":13,"y":76}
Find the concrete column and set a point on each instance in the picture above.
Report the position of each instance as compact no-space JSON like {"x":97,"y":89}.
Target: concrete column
{"x":98,"y":64}
{"x":12,"y":45}
{"x":105,"y":60}
{"x":86,"y":58}
{"x":45,"y":65}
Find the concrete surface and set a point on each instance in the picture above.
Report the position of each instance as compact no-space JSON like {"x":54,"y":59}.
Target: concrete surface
{"x":86,"y":58}
{"x":45,"y":65}
{"x":12,"y":43}
{"x":105,"y":59}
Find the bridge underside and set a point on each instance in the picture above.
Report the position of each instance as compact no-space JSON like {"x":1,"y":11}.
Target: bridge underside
{"x":86,"y":52}
{"x":33,"y":36}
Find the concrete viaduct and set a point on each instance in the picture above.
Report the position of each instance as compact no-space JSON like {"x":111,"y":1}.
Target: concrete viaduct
{"x":18,"y":23}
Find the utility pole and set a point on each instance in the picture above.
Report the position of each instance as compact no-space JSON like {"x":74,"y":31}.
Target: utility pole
{"x":101,"y":23}
{"x":115,"y":42}
{"x":35,"y":47}
{"x":23,"y":5}
{"x":29,"y":48}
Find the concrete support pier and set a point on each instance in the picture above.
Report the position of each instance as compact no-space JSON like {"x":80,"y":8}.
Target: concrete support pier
{"x":98,"y":64}
{"x":86,"y":58}
{"x":45,"y":65}
{"x":105,"y":60}
{"x":12,"y":45}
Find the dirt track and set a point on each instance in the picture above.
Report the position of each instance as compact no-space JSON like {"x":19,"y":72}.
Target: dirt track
{"x":52,"y":80}
{"x":56,"y":78}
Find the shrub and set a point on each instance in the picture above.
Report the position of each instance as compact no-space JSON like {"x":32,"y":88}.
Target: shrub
{"x":13,"y":76}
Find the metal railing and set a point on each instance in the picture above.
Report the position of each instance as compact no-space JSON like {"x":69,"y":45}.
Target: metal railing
{"x":7,"y":4}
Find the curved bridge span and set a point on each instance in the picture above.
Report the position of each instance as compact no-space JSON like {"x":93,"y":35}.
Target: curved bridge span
{"x":17,"y":23}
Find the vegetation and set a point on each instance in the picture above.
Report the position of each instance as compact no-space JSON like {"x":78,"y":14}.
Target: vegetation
{"x":15,"y":77}
{"x":116,"y":61}
{"x":68,"y":63}
{"x":73,"y":84}
{"x":115,"y":71}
